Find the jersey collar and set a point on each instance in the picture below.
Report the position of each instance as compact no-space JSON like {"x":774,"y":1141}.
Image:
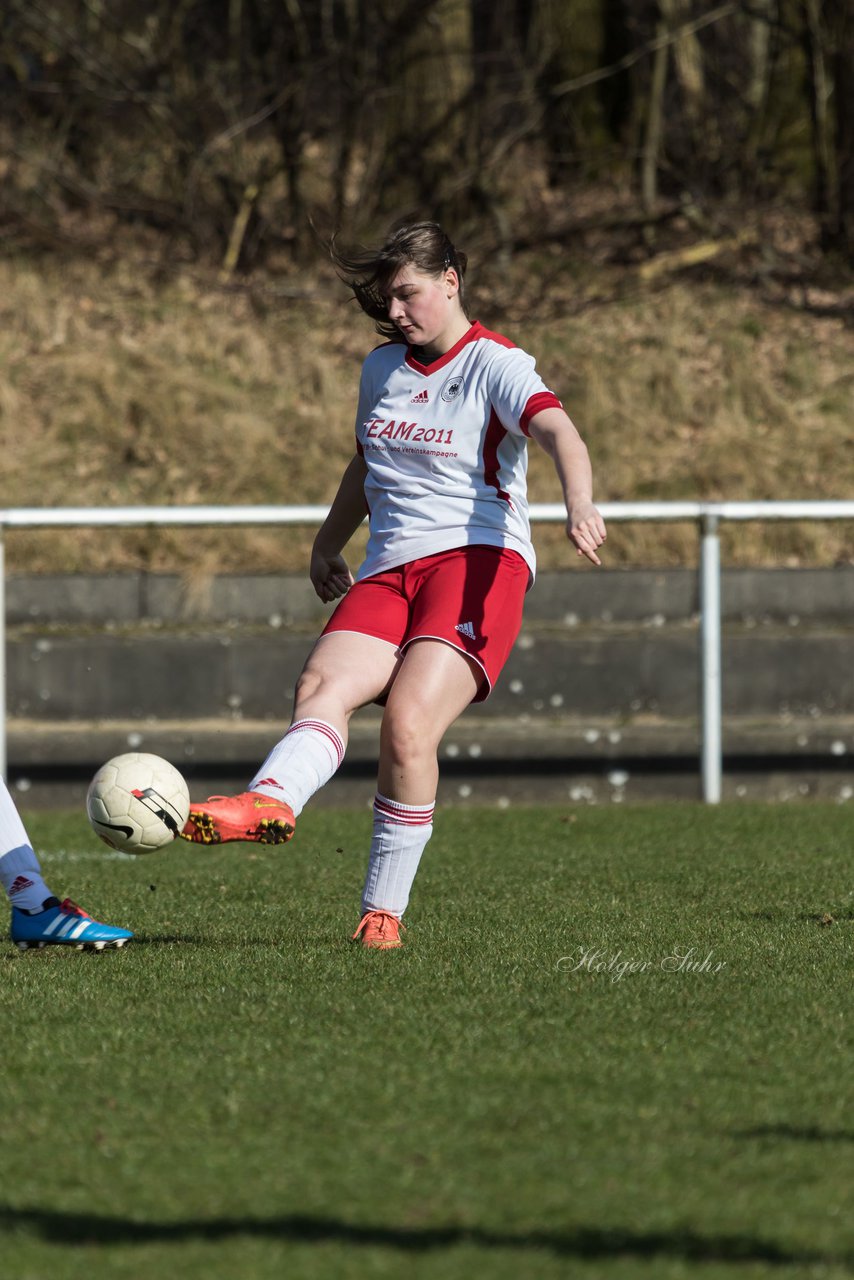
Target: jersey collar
{"x":471,"y":335}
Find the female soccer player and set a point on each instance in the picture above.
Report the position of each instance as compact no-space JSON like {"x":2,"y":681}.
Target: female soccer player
{"x":444,"y":415}
{"x":39,"y":919}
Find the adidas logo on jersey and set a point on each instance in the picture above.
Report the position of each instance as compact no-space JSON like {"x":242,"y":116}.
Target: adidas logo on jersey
{"x":466,"y":629}
{"x":421,"y":398}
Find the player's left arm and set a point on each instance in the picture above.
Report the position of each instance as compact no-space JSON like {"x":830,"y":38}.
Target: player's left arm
{"x":555,"y":432}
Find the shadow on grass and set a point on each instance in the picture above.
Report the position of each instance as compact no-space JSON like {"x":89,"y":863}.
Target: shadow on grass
{"x":86,"y":1229}
{"x":167,"y":940}
{"x":234,"y":943}
{"x":802,"y":1133}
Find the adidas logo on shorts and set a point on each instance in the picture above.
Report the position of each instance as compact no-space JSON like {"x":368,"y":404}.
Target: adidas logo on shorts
{"x":466,"y":629}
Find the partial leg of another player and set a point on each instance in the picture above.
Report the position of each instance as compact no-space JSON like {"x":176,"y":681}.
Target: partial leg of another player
{"x":434,"y":685}
{"x":344,"y":671}
{"x":39,"y":919}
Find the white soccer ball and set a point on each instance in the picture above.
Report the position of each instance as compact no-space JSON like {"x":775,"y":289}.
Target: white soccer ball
{"x":138,"y":802}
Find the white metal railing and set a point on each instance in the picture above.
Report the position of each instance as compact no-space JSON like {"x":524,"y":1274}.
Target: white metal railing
{"x":707,"y":515}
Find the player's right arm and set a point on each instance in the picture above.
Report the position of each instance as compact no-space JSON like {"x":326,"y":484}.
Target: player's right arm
{"x":329,"y":572}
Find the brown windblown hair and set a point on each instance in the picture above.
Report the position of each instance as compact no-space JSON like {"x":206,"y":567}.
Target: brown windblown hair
{"x":369,"y":272}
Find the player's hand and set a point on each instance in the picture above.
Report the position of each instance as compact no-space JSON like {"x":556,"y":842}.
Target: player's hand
{"x":586,"y":530}
{"x":330,"y":576}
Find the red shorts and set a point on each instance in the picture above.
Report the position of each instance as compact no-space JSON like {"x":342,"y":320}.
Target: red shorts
{"x":470,"y":598}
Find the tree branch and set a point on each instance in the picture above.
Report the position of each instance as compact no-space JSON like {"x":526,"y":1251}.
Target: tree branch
{"x":651,"y":46}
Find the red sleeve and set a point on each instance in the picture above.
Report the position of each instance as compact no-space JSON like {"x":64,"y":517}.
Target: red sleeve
{"x":536,"y":404}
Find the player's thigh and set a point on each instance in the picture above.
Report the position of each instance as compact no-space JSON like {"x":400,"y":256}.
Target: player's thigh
{"x":433,"y":685}
{"x":350,"y":667}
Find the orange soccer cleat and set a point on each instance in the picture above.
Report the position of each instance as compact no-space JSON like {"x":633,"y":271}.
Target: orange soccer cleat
{"x":249,"y":816}
{"x":379,"y":930}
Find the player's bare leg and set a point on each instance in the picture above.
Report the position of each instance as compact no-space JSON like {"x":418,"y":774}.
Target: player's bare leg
{"x":431,"y":690}
{"x":434,"y":684}
{"x":345,"y":670}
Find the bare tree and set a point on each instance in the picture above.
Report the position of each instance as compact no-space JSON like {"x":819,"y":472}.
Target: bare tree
{"x":224,"y":127}
{"x":841,"y":22}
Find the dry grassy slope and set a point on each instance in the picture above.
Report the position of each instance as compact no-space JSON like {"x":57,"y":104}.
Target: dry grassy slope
{"x":115,"y":389}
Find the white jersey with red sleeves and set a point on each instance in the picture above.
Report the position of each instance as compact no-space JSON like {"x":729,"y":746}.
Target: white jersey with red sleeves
{"x":446,"y":449}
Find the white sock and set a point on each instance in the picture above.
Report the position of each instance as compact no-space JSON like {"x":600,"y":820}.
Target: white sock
{"x":401,"y":832}
{"x":304,"y":761}
{"x":20,"y":873}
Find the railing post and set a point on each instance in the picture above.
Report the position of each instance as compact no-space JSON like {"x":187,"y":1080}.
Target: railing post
{"x":2,"y":653}
{"x":710,"y":659}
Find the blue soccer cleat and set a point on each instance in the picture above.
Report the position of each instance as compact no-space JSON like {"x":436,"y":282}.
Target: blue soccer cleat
{"x":65,"y":924}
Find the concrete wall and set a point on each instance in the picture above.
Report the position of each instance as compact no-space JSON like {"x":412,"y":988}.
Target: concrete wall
{"x":613,"y":644}
{"x":582,"y":595}
{"x":599,"y":701}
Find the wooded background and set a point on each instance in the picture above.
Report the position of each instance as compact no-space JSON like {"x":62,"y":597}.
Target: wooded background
{"x":229,"y":127}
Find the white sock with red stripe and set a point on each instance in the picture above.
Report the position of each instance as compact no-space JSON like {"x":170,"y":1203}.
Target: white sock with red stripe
{"x":20,"y":873}
{"x":401,"y":832}
{"x":304,"y":761}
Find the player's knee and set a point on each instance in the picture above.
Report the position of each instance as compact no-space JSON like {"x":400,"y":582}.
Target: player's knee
{"x":324,"y":693}
{"x":309,"y":684}
{"x":408,"y":735}
{"x":321,"y":688}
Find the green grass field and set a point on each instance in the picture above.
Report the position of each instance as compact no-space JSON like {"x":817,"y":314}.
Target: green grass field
{"x":241,"y":1093}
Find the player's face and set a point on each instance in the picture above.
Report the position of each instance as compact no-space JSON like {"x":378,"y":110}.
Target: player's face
{"x":426,"y":308}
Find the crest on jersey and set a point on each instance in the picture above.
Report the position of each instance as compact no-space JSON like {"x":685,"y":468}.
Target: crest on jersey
{"x":452,"y":388}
